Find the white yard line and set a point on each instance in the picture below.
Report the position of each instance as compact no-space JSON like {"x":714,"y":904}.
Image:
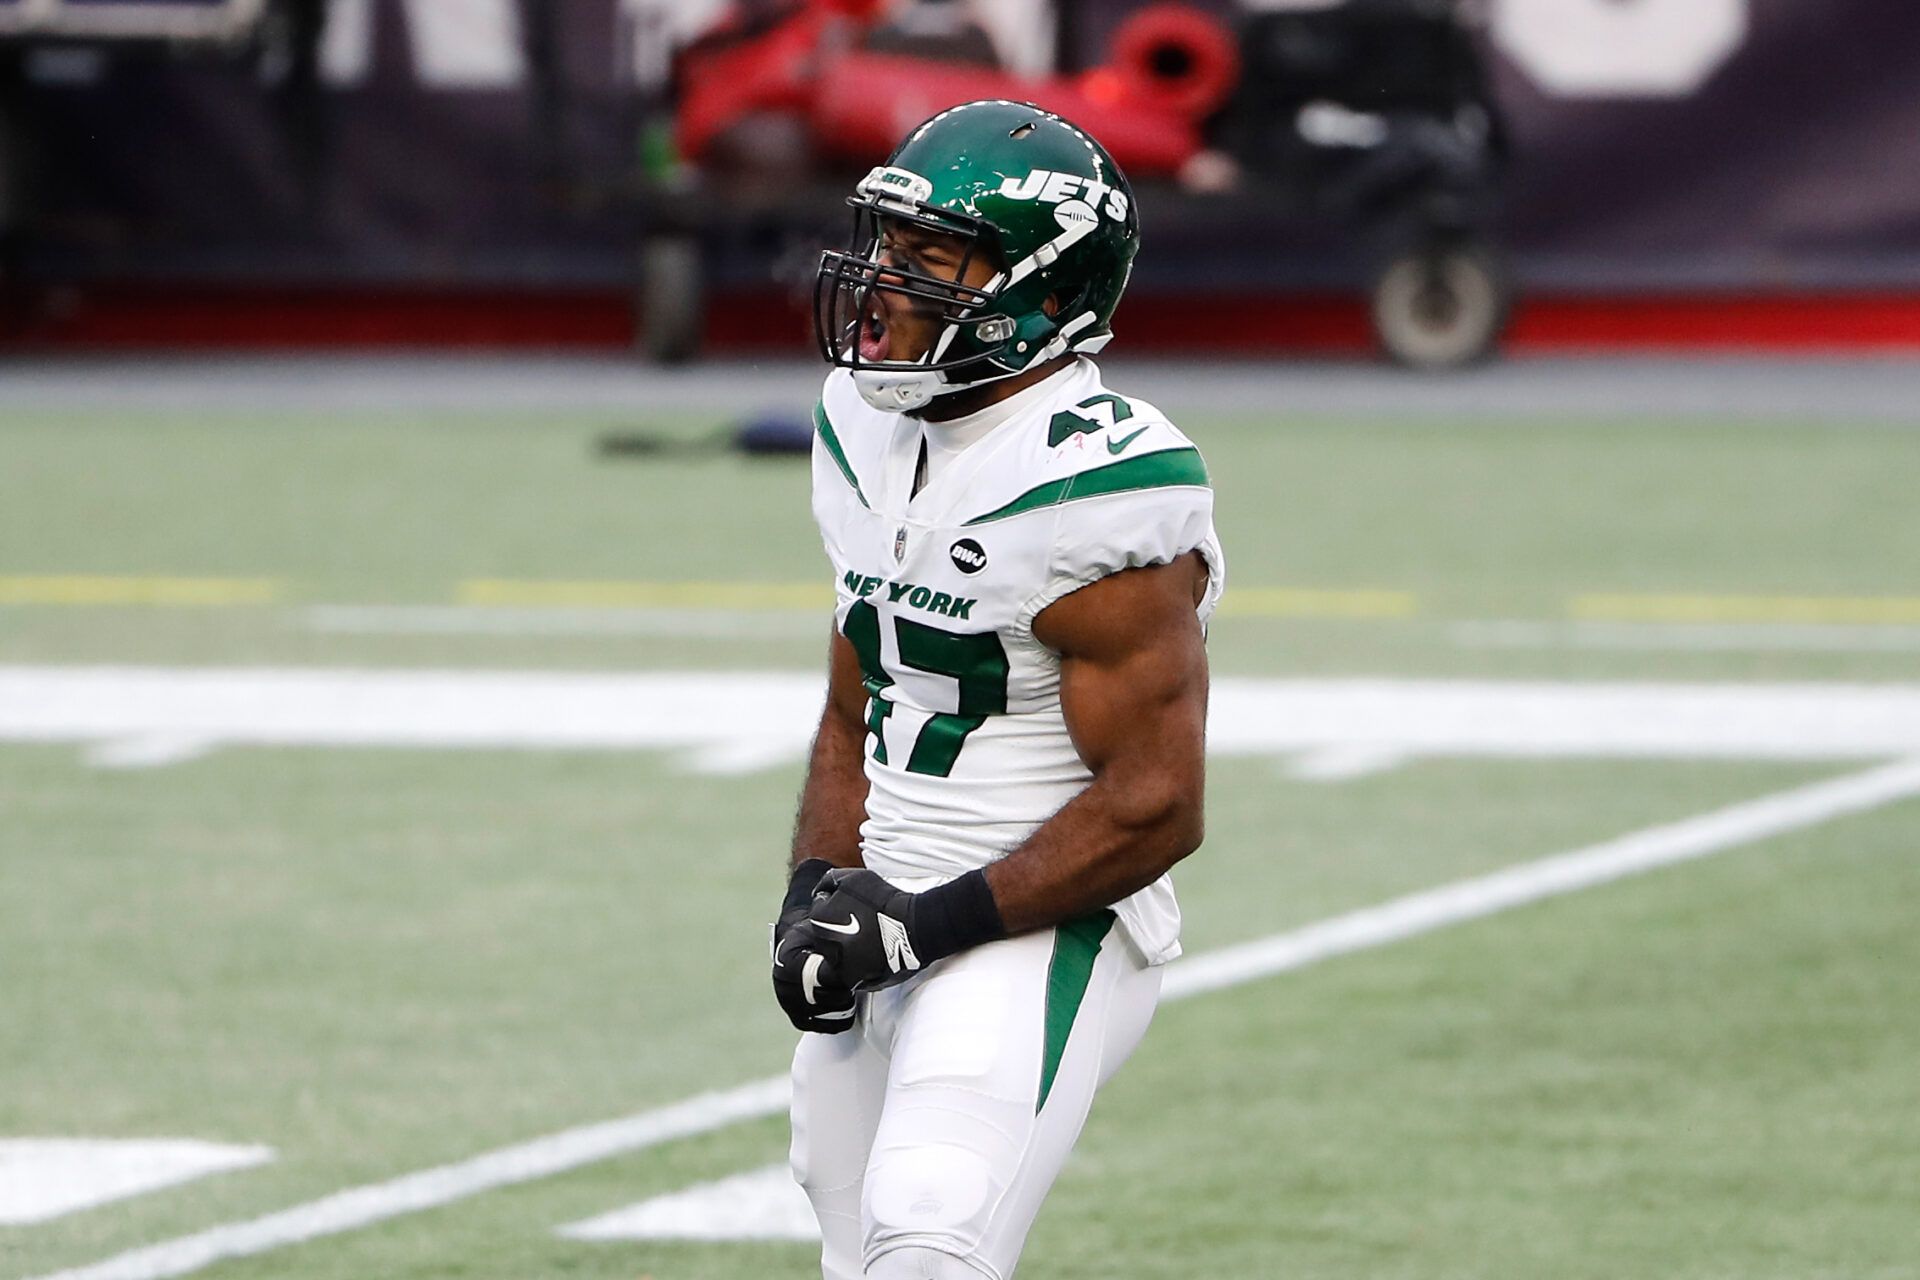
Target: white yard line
{"x":740,"y":721}
{"x":761,"y":1204}
{"x":45,"y":1178}
{"x":1375,"y":926}
{"x":430,"y":1188}
{"x":1549,"y":877}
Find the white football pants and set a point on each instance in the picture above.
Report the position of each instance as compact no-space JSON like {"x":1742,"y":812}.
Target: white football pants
{"x":940,"y":1121}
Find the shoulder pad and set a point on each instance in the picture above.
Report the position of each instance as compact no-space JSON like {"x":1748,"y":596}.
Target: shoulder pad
{"x":1104,"y":444}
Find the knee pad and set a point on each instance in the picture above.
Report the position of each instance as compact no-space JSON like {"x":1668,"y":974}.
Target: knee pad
{"x":926,"y":1209}
{"x":917,"y":1262}
{"x":930,"y":1192}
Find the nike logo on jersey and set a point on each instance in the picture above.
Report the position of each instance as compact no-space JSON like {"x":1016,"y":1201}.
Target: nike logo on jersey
{"x":900,"y":957}
{"x":851,"y":927}
{"x":1115,"y":446}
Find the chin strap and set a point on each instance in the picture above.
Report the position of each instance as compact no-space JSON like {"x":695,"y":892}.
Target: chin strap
{"x":896,"y":392}
{"x":904,"y":390}
{"x":892,"y":391}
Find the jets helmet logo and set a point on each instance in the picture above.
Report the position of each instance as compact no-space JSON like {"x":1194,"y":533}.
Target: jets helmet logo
{"x":1051,"y":187}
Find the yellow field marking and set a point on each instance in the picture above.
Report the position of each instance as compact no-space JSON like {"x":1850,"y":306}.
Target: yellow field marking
{"x":106,"y":589}
{"x":1256,"y":602}
{"x":1299,"y":602}
{"x":648,"y":595}
{"x":1838,"y":610}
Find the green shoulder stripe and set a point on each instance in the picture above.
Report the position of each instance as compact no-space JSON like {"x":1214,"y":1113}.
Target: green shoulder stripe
{"x":834,"y":450}
{"x":1165,"y":469}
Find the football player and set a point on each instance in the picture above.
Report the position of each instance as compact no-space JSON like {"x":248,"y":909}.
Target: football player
{"x":1011,"y":753}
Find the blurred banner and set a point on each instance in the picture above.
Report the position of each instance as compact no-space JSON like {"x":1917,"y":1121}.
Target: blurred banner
{"x":1657,"y":144}
{"x":1701,"y":142}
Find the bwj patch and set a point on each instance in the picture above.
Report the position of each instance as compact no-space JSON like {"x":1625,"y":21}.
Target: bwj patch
{"x":968,"y":556}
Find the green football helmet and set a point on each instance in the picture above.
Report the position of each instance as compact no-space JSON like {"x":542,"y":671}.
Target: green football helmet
{"x":1026,"y":187}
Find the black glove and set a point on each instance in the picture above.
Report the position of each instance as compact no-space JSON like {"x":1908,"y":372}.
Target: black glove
{"x":872,"y":935}
{"x":800,"y":886}
{"x":802,"y":985}
{"x":809,"y":1005}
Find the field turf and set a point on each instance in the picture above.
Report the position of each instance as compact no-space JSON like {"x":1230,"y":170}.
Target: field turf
{"x":380,"y":961}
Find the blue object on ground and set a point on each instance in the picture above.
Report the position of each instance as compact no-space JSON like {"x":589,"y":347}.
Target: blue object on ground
{"x":775,"y":433}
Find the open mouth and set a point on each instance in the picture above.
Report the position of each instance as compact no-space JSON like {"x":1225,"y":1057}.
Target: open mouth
{"x":874,"y":339}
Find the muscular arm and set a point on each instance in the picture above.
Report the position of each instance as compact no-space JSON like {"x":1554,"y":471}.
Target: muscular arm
{"x":1133,"y":687}
{"x":833,"y":801}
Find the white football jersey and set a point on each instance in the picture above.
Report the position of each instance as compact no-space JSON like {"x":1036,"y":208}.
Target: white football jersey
{"x":968,"y":751}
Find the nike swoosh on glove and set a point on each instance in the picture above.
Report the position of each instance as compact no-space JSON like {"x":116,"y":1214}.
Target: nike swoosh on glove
{"x":874,"y":935}
{"x":809,"y":993}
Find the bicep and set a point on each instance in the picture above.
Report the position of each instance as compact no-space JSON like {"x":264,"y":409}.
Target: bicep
{"x":1133,"y":667}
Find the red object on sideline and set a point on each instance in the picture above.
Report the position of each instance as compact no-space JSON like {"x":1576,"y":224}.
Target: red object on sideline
{"x":1544,"y":325}
{"x":1692,"y":322}
{"x":1172,"y":64}
{"x":726,"y":80}
{"x":209,"y":318}
{"x":870,"y":100}
{"x":1175,"y":58}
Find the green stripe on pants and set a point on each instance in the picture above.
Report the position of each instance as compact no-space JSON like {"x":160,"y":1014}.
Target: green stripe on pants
{"x":1076,"y":944}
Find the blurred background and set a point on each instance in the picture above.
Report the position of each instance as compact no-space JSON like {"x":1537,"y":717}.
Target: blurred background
{"x":411,"y":626}
{"x":605,"y":175}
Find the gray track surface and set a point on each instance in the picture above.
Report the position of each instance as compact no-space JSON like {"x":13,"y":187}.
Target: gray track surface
{"x":1866,"y":391}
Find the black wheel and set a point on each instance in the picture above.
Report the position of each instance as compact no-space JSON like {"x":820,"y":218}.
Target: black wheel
{"x":672,"y":298}
{"x":1441,"y":305}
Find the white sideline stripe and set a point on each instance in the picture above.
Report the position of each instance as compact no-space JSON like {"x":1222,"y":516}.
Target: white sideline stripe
{"x":733,"y":721}
{"x":1375,"y":926}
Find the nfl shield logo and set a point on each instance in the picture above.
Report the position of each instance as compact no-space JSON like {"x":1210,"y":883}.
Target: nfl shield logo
{"x":900,"y":544}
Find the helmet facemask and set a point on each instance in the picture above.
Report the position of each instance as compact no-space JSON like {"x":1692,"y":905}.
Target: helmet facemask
{"x":999,"y":178}
{"x":850,"y":320}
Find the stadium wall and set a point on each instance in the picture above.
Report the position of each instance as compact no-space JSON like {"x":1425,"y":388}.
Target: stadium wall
{"x":1688,"y":172}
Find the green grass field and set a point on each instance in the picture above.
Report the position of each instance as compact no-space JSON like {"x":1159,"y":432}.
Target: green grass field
{"x":379,"y":961}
